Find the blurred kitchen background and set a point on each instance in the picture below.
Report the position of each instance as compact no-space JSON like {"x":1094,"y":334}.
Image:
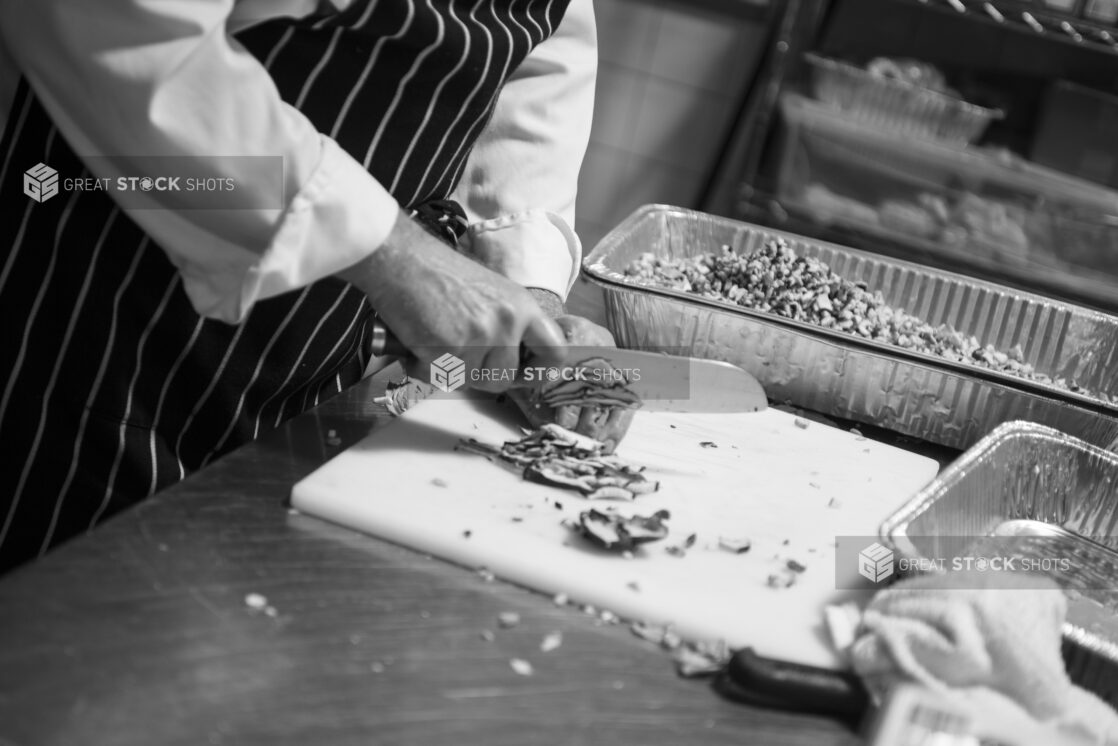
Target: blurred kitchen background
{"x":971,"y":135}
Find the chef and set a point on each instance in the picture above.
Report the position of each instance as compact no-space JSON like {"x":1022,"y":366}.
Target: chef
{"x":142,"y":340}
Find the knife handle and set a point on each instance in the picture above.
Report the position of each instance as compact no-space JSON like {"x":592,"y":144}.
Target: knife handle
{"x":767,"y":682}
{"x":385,"y":342}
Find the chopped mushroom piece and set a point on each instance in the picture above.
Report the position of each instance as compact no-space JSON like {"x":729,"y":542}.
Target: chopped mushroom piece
{"x":782,"y":578}
{"x":401,"y":396}
{"x":647,"y":632}
{"x":693,"y":661}
{"x":614,"y":531}
{"x":556,"y":456}
{"x":610,"y":492}
{"x":737,"y":546}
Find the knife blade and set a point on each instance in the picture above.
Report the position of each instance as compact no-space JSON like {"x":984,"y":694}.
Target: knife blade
{"x":664,"y":383}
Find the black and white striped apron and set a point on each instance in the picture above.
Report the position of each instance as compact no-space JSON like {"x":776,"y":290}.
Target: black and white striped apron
{"x":112,"y":387}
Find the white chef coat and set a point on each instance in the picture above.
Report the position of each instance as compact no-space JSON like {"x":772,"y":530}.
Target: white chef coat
{"x":159,"y":78}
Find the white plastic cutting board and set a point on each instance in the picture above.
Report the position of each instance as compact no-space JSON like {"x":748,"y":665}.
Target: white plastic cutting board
{"x":787,"y":488}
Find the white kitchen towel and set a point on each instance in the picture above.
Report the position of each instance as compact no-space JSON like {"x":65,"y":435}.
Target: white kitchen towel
{"x":998,"y":647}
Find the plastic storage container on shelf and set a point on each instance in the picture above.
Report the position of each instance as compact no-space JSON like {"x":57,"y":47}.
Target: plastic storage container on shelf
{"x":989,"y":209}
{"x":897,"y":105}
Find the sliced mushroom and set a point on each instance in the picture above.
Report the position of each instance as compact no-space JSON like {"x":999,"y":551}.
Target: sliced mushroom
{"x":642,"y":486}
{"x":609,"y":492}
{"x":550,"y":474}
{"x":613,"y":531}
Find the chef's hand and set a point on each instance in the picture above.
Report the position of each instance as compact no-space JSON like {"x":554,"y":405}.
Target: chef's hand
{"x":607,"y":424}
{"x":436,"y":301}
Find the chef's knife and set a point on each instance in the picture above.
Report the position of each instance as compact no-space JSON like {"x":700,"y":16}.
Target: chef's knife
{"x":664,"y":383}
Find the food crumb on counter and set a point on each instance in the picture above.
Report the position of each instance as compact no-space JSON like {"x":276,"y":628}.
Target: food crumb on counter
{"x":487,"y":635}
{"x":256,"y":601}
{"x":467,"y":534}
{"x":783,"y":578}
{"x":834,"y":503}
{"x":438,"y":482}
{"x":508,"y":619}
{"x":633,"y":586}
{"x":671,"y":639}
{"x":693,"y":661}
{"x":486,"y":574}
{"x":551,"y":641}
{"x":521,"y":666}
{"x":796,"y":566}
{"x":801,"y":423}
{"x":647,"y":632}
{"x":708,"y":444}
{"x":662,"y":635}
{"x":560,"y":599}
{"x":737,"y":546}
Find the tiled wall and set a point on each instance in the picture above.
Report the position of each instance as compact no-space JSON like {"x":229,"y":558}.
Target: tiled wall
{"x":670,"y":78}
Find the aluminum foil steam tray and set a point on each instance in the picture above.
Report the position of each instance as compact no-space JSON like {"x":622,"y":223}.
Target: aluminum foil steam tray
{"x":835,"y":373}
{"x":1025,"y":479}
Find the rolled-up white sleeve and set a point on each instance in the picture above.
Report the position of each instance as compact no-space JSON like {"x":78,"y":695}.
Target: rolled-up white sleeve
{"x":519,"y":185}
{"x":141,"y":78}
